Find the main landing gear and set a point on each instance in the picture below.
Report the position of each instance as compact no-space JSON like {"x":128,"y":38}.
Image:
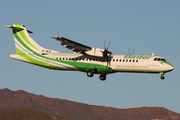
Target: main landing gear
{"x":91,"y":74}
{"x":102,"y":77}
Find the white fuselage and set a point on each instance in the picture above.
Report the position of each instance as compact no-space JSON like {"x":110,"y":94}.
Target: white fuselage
{"x":119,"y":63}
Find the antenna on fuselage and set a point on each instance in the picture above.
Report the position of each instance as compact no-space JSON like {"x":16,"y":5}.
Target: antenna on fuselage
{"x":152,"y":54}
{"x":132,"y":51}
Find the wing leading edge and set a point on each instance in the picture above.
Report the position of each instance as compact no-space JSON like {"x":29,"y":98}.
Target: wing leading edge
{"x":83,"y":49}
{"x":74,"y":46}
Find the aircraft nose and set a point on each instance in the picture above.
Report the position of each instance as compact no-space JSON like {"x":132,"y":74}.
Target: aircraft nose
{"x":171,"y":67}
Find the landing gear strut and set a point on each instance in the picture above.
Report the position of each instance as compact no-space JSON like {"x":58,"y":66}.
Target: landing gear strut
{"x":162,"y":76}
{"x":102,"y":77}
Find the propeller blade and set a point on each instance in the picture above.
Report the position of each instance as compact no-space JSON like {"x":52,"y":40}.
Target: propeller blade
{"x":104,"y":44}
{"x":108,"y":45}
{"x":106,"y":54}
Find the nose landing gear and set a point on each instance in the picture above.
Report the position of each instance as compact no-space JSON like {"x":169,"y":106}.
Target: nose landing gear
{"x":162,"y":77}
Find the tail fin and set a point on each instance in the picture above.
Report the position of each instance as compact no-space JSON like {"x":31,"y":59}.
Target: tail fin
{"x":23,"y":42}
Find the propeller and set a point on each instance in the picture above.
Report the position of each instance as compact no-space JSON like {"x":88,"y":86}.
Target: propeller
{"x":106,"y":53}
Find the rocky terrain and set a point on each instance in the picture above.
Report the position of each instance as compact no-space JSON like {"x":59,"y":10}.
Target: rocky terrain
{"x":28,"y":114}
{"x":11,"y":100}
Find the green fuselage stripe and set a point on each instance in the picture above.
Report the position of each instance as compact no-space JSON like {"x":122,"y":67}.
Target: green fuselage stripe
{"x":82,"y":66}
{"x":24,"y":36}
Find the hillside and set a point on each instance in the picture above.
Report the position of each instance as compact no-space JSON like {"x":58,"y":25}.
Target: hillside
{"x":28,"y":114}
{"x":10,"y":100}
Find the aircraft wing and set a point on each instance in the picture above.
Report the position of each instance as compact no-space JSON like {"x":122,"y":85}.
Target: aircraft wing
{"x":74,"y":46}
{"x":83,"y":49}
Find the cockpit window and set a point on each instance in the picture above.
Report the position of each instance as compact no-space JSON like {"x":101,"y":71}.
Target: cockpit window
{"x":159,"y":59}
{"x":23,"y":25}
{"x":163,"y":60}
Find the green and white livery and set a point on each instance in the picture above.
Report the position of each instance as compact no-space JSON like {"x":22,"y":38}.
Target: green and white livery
{"x":85,"y":59}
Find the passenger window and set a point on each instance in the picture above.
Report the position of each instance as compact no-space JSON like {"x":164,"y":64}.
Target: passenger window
{"x":129,"y":60}
{"x":126,"y":60}
{"x":120,"y":60}
{"x":123,"y":60}
{"x":136,"y":60}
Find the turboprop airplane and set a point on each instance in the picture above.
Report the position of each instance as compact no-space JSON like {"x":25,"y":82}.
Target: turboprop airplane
{"x":85,"y":59}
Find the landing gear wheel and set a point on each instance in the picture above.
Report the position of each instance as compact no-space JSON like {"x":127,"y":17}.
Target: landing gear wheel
{"x":102,"y":77}
{"x":90,"y":74}
{"x":162,"y":77}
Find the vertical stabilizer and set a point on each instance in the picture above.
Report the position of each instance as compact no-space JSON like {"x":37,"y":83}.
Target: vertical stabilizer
{"x":23,"y":42}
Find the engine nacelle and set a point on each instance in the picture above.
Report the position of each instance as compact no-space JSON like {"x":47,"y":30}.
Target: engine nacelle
{"x":98,"y":52}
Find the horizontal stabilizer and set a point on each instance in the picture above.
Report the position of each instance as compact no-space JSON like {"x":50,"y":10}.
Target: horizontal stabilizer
{"x":17,"y":28}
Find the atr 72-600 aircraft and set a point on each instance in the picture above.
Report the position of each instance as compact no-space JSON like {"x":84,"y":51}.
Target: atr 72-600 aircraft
{"x":85,"y":59}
